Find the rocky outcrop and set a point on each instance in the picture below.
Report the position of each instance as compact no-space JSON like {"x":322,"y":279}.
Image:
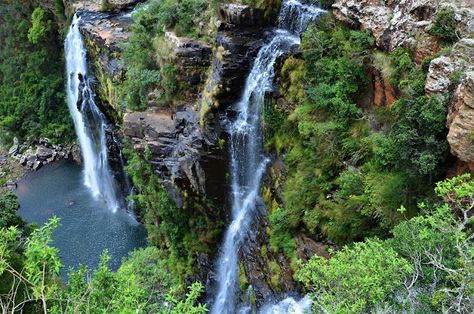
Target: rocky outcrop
{"x":178,"y":149}
{"x":446,"y":71}
{"x":404,"y":23}
{"x":100,"y":5}
{"x":237,"y":43}
{"x":461,"y":121}
{"x":241,"y":16}
{"x":43,"y":153}
{"x":193,"y":59}
{"x":104,"y":34}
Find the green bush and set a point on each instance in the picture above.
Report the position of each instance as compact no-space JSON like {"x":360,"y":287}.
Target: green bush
{"x":445,"y":26}
{"x":355,"y":279}
{"x":426,"y":267}
{"x":8,"y":211}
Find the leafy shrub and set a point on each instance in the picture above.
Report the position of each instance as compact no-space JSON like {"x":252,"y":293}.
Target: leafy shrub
{"x":445,"y":26}
{"x":426,"y":267}
{"x":32,"y":75}
{"x":8,"y":211}
{"x":356,"y":278}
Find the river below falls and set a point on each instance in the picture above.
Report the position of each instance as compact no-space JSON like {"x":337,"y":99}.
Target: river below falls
{"x":87,"y":226}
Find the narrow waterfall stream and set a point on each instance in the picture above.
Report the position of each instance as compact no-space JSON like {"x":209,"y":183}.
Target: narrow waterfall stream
{"x":90,"y":123}
{"x":248,"y":162}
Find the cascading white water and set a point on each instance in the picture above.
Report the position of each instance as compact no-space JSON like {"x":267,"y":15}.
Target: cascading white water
{"x":89,"y":121}
{"x":248,"y":161}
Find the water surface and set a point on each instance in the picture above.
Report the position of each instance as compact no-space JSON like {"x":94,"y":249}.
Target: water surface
{"x":87,"y":225}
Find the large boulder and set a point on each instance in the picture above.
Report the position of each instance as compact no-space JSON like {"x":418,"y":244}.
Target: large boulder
{"x":461,"y":121}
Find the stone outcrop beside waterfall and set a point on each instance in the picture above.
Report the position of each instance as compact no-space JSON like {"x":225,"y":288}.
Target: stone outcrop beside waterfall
{"x":191,"y":147}
{"x":104,"y":33}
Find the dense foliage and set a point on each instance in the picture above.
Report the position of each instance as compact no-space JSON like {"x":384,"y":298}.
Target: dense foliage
{"x":181,"y":233}
{"x":30,"y":268}
{"x":32,"y":98}
{"x":8,"y":207}
{"x":426,"y":267}
{"x":351,"y":165}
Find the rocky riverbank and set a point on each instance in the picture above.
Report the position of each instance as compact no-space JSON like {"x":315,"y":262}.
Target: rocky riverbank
{"x":23,"y":158}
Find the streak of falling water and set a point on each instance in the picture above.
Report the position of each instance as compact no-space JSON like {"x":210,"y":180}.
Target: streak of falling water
{"x":248,"y":162}
{"x":90,"y":123}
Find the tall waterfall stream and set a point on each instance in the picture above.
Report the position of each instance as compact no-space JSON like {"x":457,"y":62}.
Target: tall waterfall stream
{"x":248,"y":161}
{"x":90,"y":123}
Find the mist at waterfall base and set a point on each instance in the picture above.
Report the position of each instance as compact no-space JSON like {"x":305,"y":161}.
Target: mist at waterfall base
{"x":88,"y":226}
{"x":248,"y":162}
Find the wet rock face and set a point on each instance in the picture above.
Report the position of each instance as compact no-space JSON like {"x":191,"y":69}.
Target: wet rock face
{"x":461,"y":119}
{"x":241,"y":16}
{"x":192,"y":58}
{"x":384,"y":95}
{"x":104,"y":34}
{"x":403,"y":23}
{"x":178,"y":148}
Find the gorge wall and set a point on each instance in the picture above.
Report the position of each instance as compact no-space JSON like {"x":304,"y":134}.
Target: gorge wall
{"x":185,"y":140}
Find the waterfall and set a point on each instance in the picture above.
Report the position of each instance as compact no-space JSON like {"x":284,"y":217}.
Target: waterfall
{"x":248,"y":162}
{"x":90,"y":123}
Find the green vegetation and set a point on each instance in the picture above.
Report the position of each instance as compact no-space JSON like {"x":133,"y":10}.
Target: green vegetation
{"x":445,"y":26}
{"x":8,"y":207}
{"x":152,"y":73}
{"x":181,"y":233}
{"x":350,"y":166}
{"x":30,"y":268}
{"x":32,"y":98}
{"x":426,"y":267}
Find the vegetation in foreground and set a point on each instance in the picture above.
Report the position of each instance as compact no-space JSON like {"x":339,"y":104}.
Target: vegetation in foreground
{"x":426,"y":266}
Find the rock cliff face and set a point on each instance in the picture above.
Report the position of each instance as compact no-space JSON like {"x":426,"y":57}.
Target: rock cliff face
{"x":187,"y":141}
{"x":446,"y":71}
{"x":104,"y":33}
{"x":408,"y":23}
{"x":100,"y":5}
{"x":403,"y":23}
{"x":461,"y":121}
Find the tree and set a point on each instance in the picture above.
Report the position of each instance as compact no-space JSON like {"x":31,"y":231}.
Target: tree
{"x":427,"y":266}
{"x":355,"y":279}
{"x":38,"y":28}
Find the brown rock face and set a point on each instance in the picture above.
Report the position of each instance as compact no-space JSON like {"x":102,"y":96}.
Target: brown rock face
{"x":461,"y":129}
{"x":384,"y":94}
{"x":241,"y":15}
{"x":307,"y":248}
{"x":403,"y":23}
